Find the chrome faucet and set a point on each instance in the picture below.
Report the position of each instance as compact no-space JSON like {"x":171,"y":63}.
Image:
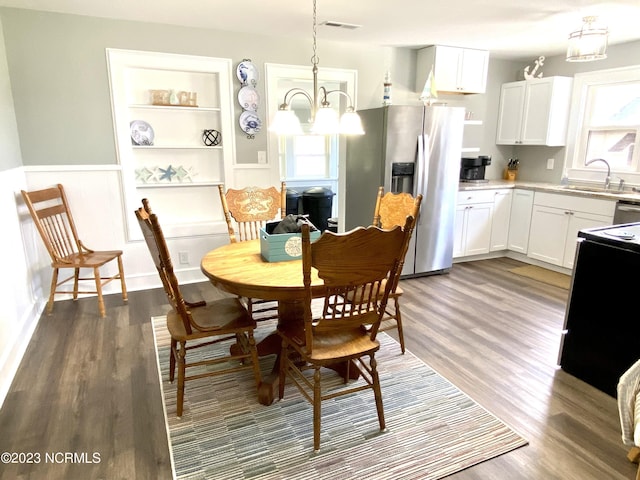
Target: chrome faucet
{"x":607,"y":181}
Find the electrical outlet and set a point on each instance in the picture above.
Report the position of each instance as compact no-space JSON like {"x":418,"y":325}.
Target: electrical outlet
{"x":262,"y":157}
{"x":184,"y":258}
{"x":550,"y":163}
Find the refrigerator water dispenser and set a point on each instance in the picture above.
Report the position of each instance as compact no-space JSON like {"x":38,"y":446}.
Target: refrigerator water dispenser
{"x":402,"y":177}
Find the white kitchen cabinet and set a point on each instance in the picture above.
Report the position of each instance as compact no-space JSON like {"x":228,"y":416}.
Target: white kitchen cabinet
{"x":534,"y":112}
{"x":556,"y":220}
{"x":500,"y":219}
{"x":520,"y":220}
{"x":175,"y":167}
{"x":456,"y":70}
{"x":472,"y":225}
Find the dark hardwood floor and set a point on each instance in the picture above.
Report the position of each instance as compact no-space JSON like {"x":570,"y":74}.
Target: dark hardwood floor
{"x":89,"y":386}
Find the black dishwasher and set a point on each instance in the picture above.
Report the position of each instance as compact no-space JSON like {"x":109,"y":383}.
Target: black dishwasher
{"x":600,"y":340}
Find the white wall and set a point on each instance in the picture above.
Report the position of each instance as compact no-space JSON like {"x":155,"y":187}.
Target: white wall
{"x":21,"y":303}
{"x":96,"y":200}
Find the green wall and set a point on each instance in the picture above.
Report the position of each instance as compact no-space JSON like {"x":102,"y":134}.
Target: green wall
{"x":9,"y":141}
{"x":58,"y":72}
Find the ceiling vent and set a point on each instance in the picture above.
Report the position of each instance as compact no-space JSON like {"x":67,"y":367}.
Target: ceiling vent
{"x":347,"y":26}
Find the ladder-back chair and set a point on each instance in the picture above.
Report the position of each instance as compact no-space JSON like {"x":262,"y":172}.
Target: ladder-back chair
{"x":218,"y":321}
{"x":392,"y":209}
{"x":354,"y":267}
{"x":50,"y":211}
{"x":250,"y":209}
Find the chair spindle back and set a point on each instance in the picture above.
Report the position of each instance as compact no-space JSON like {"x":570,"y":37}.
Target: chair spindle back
{"x":354,"y":267}
{"x":50,"y":211}
{"x":251,"y":208}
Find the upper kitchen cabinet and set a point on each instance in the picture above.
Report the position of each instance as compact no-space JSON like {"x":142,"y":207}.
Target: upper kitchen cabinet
{"x":456,"y":70}
{"x":174,"y":130}
{"x":534,"y":112}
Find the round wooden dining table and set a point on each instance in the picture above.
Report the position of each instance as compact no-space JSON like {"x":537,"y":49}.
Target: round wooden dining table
{"x":238,"y":268}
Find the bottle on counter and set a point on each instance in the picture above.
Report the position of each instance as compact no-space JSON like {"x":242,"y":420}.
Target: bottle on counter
{"x":386,"y":95}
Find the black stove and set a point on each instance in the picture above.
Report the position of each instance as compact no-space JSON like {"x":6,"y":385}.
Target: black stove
{"x":626,"y":236}
{"x":599,"y":344}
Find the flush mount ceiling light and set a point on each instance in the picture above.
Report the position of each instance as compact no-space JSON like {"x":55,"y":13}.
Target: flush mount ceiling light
{"x":324,"y":119}
{"x":589,"y":43}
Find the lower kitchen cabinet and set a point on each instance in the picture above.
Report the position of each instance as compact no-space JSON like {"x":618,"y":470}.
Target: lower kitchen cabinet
{"x":520,"y":220}
{"x":556,"y":220}
{"x":500,"y":219}
{"x":472,"y":225}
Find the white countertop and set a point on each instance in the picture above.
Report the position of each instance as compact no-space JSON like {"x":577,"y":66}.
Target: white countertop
{"x":554,"y":188}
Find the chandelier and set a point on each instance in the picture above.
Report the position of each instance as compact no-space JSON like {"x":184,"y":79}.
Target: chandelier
{"x":589,"y":43}
{"x":324,"y":119}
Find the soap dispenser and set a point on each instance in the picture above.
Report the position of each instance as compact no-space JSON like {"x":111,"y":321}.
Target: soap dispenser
{"x":565,"y":178}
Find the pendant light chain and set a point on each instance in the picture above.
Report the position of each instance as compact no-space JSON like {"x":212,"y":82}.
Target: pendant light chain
{"x":314,"y":58}
{"x":323,"y":119}
{"x":314,"y":62}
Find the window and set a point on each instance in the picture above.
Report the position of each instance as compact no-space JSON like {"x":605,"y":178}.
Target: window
{"x":309,"y":157}
{"x":607,"y":124}
{"x":309,"y":160}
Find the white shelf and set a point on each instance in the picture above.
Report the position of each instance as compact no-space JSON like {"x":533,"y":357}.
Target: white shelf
{"x":470,"y":150}
{"x":176,"y":107}
{"x":177,"y":184}
{"x":176,"y":147}
{"x":473,"y":122}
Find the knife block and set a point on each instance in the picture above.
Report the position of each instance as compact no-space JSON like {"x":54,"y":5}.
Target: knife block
{"x":510,"y":174}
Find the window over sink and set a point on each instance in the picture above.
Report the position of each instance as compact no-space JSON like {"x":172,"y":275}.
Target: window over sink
{"x":605,"y":123}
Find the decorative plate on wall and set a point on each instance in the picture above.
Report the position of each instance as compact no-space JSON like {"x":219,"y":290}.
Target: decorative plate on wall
{"x":249,"y":122}
{"x":248,"y":98}
{"x":141,"y":133}
{"x":247,"y":73}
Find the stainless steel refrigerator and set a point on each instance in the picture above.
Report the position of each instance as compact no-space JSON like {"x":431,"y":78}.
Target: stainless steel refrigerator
{"x":412,"y":149}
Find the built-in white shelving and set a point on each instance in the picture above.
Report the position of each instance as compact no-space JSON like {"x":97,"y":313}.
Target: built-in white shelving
{"x":177,"y":171}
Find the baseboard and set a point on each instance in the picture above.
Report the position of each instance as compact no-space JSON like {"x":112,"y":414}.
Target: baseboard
{"x":516,"y":256}
{"x":533,"y":261}
{"x":484,"y":256}
{"x":10,"y":361}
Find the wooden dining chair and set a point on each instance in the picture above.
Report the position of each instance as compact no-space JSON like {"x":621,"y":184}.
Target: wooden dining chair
{"x":250,"y":209}
{"x":51,"y":214}
{"x":391,"y":210}
{"x":218,"y":321}
{"x":353,"y":267}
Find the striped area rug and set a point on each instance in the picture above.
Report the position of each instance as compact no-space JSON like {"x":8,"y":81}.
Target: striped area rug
{"x":433,"y":429}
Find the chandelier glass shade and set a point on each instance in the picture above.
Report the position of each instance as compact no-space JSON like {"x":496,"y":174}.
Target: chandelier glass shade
{"x":324,"y":119}
{"x":589,"y":43}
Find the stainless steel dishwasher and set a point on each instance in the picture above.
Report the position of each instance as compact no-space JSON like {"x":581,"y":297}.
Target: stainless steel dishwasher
{"x":627,"y":211}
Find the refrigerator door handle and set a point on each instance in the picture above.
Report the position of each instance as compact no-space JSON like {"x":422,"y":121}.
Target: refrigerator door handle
{"x":422,"y":167}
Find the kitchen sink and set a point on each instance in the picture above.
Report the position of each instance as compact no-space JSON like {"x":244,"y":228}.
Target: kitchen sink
{"x":580,"y":188}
